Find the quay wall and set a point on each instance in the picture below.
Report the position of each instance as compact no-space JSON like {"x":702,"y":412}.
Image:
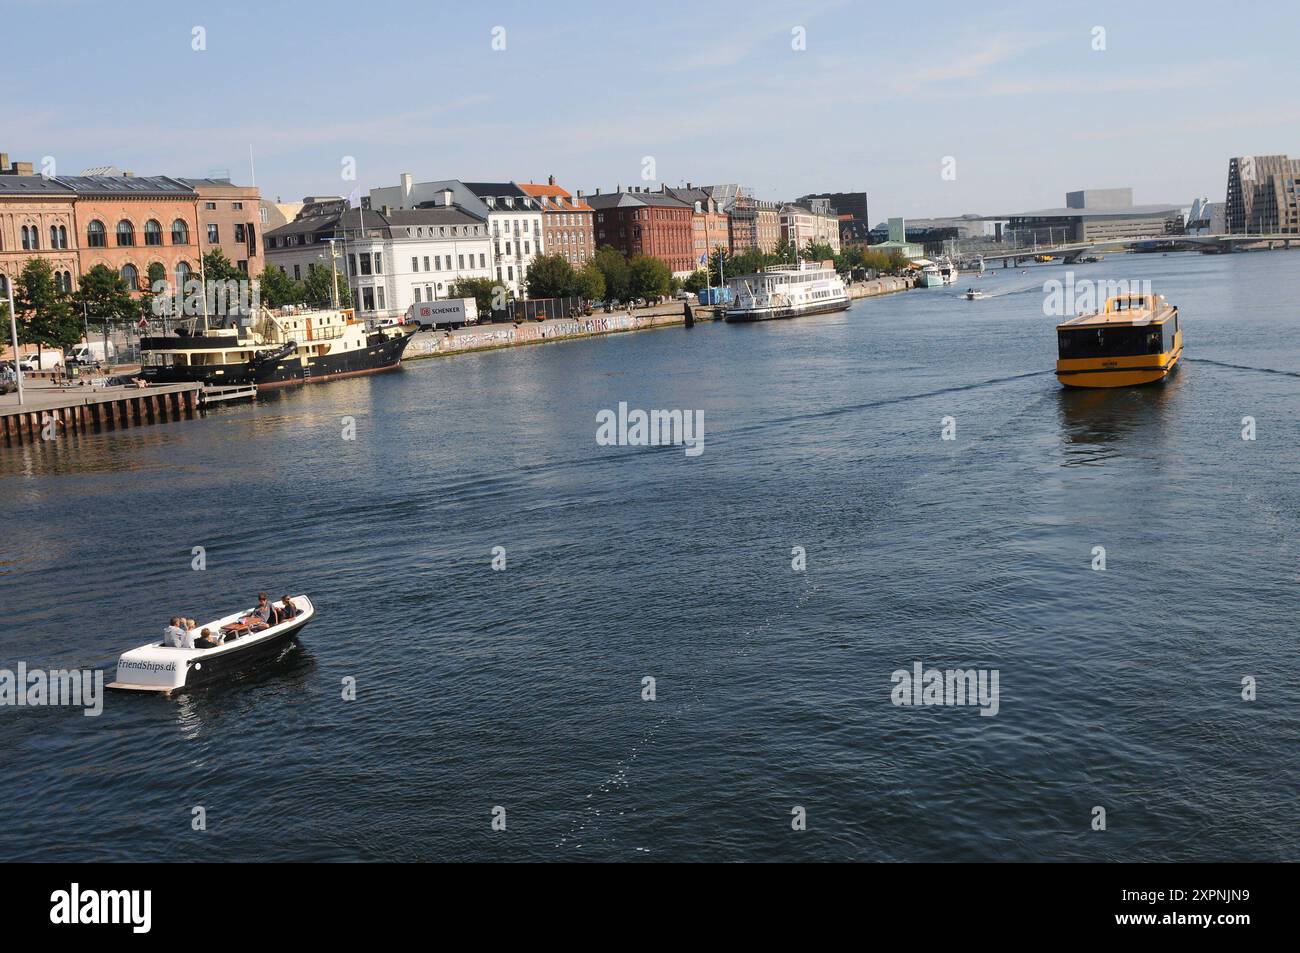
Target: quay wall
{"x":488,"y":337}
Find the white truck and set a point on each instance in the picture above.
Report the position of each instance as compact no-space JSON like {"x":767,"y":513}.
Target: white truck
{"x":449,"y":312}
{"x":93,"y":352}
{"x":44,"y":360}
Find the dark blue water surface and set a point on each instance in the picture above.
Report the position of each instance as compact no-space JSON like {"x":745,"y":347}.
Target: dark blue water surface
{"x":522,"y":688}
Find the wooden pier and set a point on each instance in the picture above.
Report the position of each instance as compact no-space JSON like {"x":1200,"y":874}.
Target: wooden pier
{"x":49,"y":413}
{"x":225,"y":393}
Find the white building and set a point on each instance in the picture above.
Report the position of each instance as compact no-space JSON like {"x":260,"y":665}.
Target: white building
{"x":392,"y":259}
{"x":513,"y":217}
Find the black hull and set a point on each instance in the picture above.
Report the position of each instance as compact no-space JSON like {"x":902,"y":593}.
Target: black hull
{"x":380,"y":354}
{"x":779,"y":313}
{"x":214,"y":668}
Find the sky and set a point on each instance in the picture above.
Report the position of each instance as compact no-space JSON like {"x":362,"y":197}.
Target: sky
{"x":932,"y":108}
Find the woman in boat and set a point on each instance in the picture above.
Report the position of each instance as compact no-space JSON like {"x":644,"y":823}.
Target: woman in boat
{"x":289,"y":611}
{"x":207,"y":640}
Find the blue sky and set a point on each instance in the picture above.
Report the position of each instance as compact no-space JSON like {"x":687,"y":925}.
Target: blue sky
{"x":713,"y":91}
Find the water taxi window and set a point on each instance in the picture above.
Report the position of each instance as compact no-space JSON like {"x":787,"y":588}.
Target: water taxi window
{"x":1110,"y":342}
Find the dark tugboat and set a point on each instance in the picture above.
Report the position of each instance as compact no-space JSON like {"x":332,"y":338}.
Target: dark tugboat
{"x":277,"y":349}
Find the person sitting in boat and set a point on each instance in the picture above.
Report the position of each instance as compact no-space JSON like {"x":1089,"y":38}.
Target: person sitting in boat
{"x":207,"y":640}
{"x":173,"y":633}
{"x":259,"y":617}
{"x":289,"y":611}
{"x":187,"y":633}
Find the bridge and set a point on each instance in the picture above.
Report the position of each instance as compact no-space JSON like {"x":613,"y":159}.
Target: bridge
{"x":1073,"y":251}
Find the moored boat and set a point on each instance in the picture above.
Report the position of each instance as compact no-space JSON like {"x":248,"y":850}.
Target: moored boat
{"x":1134,"y":339}
{"x":787,"y":291}
{"x":157,"y":667}
{"x":278,"y":349}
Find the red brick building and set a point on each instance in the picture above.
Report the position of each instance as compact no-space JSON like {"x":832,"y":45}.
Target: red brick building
{"x":710,"y":225}
{"x":568,"y":223}
{"x":641,"y":222}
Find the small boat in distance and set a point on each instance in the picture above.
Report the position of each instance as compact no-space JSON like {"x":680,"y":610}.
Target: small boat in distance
{"x":157,"y":667}
{"x":1135,"y":339}
{"x":974,"y":294}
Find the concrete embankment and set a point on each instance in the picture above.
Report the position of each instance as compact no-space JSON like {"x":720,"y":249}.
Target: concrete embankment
{"x":879,"y":286}
{"x":490,"y":336}
{"x":486,"y":337}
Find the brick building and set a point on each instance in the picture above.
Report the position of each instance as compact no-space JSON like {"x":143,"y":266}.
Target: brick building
{"x":230,"y":216}
{"x":710,"y":226}
{"x":37,"y":221}
{"x":568,"y":223}
{"x":130,"y":222}
{"x":638,"y":221}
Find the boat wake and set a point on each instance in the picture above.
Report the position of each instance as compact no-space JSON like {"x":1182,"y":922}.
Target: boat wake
{"x":1244,"y":367}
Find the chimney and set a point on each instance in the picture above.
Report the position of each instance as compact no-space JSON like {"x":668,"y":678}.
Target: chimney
{"x":579,"y":193}
{"x":386,"y":211}
{"x":406,"y":185}
{"x":446,"y":197}
{"x":550,"y":180}
{"x":598,"y":190}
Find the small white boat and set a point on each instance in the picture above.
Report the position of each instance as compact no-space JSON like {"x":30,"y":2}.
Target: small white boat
{"x":974,"y":294}
{"x":157,"y":667}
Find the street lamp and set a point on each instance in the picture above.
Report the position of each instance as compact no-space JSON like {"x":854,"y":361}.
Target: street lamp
{"x":13,"y":333}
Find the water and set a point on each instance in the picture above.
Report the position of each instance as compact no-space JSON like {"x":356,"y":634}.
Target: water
{"x":522,"y":688}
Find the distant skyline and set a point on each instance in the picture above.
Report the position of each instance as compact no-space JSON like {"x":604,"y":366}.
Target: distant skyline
{"x":1014,"y":93}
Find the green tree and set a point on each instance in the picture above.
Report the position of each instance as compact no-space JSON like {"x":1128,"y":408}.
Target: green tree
{"x":613,"y":266}
{"x":649,"y":277}
{"x":316,"y":288}
{"x":818,"y":252}
{"x":48,"y":318}
{"x":104,"y":298}
{"x":591,"y":282}
{"x":482,"y":290}
{"x":697,"y":281}
{"x":277,"y":288}
{"x":551,"y":276}
{"x":217,"y":267}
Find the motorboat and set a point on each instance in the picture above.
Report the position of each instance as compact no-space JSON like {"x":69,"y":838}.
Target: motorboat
{"x":158,"y":667}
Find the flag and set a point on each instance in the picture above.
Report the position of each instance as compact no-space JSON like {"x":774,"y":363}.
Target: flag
{"x":354,"y":198}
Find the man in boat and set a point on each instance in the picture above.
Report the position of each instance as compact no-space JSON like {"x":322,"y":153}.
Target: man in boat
{"x":289,"y":611}
{"x":260,"y":617}
{"x":173,"y":633}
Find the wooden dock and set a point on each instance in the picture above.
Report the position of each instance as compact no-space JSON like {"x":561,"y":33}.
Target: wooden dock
{"x":225,"y":393}
{"x":48,"y":412}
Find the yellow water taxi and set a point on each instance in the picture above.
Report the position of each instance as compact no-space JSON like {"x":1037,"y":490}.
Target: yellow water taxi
{"x":1134,"y":340}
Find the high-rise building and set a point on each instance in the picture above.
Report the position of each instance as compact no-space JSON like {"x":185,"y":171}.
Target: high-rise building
{"x":1262,"y":196}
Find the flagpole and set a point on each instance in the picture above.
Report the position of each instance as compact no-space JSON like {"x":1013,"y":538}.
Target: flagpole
{"x":13,"y":332}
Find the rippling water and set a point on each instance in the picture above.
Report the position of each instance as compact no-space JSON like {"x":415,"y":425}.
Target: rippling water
{"x":522,"y":688}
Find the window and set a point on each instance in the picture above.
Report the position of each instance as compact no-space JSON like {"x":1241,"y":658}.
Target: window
{"x":29,"y":237}
{"x":380,"y":293}
{"x":482,"y":260}
{"x":297,"y":272}
{"x":415,"y":264}
{"x":210,"y":205}
{"x":180,"y":232}
{"x":131,"y":276}
{"x":125,"y":233}
{"x":460,"y":261}
{"x":437,"y":262}
{"x":95,"y":237}
{"x":426,"y":262}
{"x":182,"y":274}
{"x":526,"y":248}
{"x":152,"y":233}
{"x":237,"y":205}
{"x":54,"y":236}
{"x":510,"y":273}
{"x":214,"y":235}
{"x":379,"y":264}
{"x":352,"y":265}
{"x":365,"y":265}
{"x":242,"y":265}
{"x":368,"y":298}
{"x":417,"y":295}
{"x":239,"y":232}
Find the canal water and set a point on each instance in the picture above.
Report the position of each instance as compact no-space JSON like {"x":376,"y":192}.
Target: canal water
{"x":522,"y":688}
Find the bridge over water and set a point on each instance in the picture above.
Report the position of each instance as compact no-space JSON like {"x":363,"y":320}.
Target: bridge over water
{"x":1072,"y":251}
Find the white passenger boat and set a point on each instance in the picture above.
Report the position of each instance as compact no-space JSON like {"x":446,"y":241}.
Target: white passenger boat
{"x":974,"y":294}
{"x":787,"y":291}
{"x":157,"y":667}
